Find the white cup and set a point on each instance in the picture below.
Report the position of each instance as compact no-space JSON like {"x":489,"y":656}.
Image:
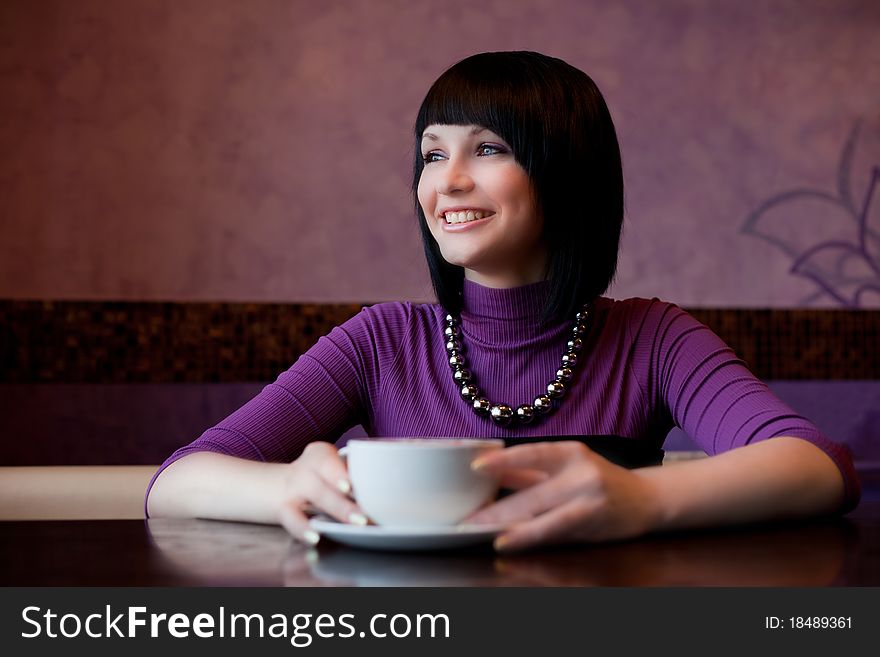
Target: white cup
{"x":419,"y":482}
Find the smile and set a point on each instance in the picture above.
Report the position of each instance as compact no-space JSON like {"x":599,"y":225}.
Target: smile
{"x":464,"y":216}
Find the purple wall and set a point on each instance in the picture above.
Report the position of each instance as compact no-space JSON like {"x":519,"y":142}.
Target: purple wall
{"x":226,"y":150}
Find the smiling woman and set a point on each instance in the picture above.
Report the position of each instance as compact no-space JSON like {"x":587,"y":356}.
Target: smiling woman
{"x":518,"y":190}
{"x":549,"y":145}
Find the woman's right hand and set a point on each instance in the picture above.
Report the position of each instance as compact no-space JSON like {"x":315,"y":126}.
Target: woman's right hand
{"x":319,"y":479}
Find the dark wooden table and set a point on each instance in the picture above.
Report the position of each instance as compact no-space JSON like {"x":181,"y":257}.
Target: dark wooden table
{"x":163,"y":552}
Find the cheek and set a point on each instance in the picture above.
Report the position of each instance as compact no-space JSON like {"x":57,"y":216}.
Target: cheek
{"x":427,"y":201}
{"x":513,"y":189}
{"x":425,"y":197}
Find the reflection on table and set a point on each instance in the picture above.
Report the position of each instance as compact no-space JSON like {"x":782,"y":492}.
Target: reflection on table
{"x":805,"y":555}
{"x":188,"y":552}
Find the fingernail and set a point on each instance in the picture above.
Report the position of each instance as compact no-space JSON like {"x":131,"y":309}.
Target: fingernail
{"x":344,"y":486}
{"x":312,"y":556}
{"x":501,"y":542}
{"x":477,"y":464}
{"x":357,"y":518}
{"x":311,"y":537}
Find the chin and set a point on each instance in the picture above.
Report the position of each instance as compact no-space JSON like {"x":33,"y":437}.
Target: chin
{"x":460,"y":261}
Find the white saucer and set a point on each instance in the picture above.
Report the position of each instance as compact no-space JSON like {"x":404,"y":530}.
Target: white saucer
{"x":377,"y":537}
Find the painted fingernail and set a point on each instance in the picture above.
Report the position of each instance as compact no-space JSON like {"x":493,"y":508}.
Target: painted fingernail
{"x":344,"y":486}
{"x":311,"y":537}
{"x":357,"y":518}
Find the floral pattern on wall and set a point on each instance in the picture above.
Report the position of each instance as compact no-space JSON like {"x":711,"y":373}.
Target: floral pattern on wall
{"x":840,"y":254}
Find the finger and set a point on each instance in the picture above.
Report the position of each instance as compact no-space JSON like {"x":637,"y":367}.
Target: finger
{"x":514,"y":508}
{"x":547,"y":456}
{"x":528,"y":502}
{"x":296,"y":523}
{"x":554,"y":526}
{"x":329,"y":465}
{"x":332,"y":501}
{"x":334,"y":471}
{"x":517,"y":479}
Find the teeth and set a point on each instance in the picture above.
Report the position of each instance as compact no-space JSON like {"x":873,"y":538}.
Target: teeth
{"x":465,"y":216}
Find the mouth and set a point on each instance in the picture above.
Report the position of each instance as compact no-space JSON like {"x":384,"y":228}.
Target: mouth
{"x":463,"y":216}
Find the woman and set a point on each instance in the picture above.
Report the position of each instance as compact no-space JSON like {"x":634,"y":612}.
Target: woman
{"x":519,"y":195}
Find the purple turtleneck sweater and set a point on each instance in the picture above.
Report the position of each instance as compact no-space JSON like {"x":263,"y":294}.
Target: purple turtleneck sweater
{"x":645,"y":367}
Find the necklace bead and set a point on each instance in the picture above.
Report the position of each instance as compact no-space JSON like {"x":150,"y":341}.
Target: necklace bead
{"x":456,"y":360}
{"x":525,"y":414}
{"x":564,"y":374}
{"x":543,"y":404}
{"x":482,"y":406}
{"x":461,"y":375}
{"x":502,"y":414}
{"x":555,"y":389}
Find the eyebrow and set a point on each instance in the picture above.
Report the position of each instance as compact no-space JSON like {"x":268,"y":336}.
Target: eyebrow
{"x":474,"y":131}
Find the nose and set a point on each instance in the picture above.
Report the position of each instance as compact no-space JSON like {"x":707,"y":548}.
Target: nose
{"x":454,"y":178}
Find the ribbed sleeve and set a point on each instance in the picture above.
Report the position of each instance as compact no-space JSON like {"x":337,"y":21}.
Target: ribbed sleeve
{"x":646,"y":366}
{"x":324,"y":393}
{"x":710,"y":393}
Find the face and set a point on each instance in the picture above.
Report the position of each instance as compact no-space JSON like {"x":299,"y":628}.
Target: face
{"x":479,"y":206}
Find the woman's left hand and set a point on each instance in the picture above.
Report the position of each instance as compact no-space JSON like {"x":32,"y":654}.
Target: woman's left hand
{"x":565,"y":493}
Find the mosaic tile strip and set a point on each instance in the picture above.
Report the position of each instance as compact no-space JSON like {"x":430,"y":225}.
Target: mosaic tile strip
{"x":124,"y":342}
{"x":801,"y":343}
{"x":153,"y":342}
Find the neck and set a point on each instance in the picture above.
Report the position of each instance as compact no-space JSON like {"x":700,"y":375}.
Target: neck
{"x":506,"y":279}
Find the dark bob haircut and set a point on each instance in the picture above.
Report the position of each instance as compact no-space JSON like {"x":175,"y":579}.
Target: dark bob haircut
{"x":556,"y":121}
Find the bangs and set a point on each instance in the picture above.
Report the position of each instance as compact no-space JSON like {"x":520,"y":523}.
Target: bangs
{"x":456,"y":101}
{"x":476,"y":92}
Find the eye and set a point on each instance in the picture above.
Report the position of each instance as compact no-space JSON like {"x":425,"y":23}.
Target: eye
{"x":490,"y":149}
{"x":433,"y":156}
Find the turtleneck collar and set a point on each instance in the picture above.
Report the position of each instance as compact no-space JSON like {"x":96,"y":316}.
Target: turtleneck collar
{"x":523,"y":302}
